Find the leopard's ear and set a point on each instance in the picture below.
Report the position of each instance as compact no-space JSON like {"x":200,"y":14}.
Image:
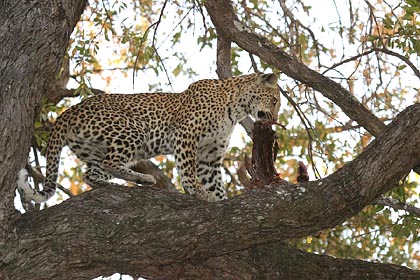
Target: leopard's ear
{"x":269,"y":80}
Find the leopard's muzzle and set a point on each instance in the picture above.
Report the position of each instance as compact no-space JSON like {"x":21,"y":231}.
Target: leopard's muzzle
{"x":261,"y":115}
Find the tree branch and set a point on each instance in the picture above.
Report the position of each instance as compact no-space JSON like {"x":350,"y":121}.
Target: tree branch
{"x":141,"y":222}
{"x":148,"y":167}
{"x":40,"y":178}
{"x":383,"y":50}
{"x":282,"y":261}
{"x":224,"y":69}
{"x":224,"y":18}
{"x":398,"y":205}
{"x":54,"y":95}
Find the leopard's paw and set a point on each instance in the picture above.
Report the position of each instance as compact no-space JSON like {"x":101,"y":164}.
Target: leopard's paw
{"x":206,"y":195}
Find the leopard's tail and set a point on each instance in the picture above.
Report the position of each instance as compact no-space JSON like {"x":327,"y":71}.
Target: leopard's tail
{"x":55,"y":144}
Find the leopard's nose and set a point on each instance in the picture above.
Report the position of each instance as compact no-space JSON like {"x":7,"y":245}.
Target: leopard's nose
{"x":261,"y":115}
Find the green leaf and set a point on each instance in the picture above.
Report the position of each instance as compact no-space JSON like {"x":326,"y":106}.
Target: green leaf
{"x":177,"y":70}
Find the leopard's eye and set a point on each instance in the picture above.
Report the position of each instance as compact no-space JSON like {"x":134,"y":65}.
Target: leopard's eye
{"x":275,"y":100}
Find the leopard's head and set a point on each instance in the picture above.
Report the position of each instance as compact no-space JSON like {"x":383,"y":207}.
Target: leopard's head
{"x":267,"y":95}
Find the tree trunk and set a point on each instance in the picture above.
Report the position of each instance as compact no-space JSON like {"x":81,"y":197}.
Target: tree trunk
{"x":34,"y":38}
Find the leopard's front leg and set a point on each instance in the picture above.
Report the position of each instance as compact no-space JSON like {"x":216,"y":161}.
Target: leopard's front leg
{"x":185,"y":147}
{"x":209,"y":165}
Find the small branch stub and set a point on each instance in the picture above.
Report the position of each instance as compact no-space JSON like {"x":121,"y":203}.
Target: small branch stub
{"x":261,"y":167}
{"x":264,"y":152}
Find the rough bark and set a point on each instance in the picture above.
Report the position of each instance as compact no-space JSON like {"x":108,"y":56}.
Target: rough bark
{"x":224,"y":18}
{"x":152,"y":232}
{"x":281,"y":261}
{"x":223,"y":61}
{"x":34,"y":37}
{"x":261,"y":166}
{"x":224,"y":69}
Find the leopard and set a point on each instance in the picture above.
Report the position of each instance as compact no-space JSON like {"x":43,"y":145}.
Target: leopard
{"x":110,"y":132}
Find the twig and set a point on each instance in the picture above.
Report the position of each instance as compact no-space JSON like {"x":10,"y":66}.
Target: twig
{"x":307,"y":128}
{"x":233,"y":180}
{"x":143,"y":39}
{"x":253,"y":63}
{"x":398,"y":205}
{"x":383,"y":50}
{"x":335,"y":65}
{"x":296,"y":23}
{"x":403,"y":58}
{"x":176,"y":26}
{"x":155,"y":25}
{"x":372,"y":17}
{"x":38,"y":176}
{"x":348,"y":126}
{"x":154,"y":42}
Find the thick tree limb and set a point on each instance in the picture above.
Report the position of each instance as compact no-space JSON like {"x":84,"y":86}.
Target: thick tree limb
{"x":151,"y":229}
{"x":225,"y":19}
{"x":282,"y":261}
{"x":223,"y":56}
{"x":224,"y":69}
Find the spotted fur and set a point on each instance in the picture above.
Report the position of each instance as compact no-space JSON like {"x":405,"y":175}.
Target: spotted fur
{"x":110,"y":131}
